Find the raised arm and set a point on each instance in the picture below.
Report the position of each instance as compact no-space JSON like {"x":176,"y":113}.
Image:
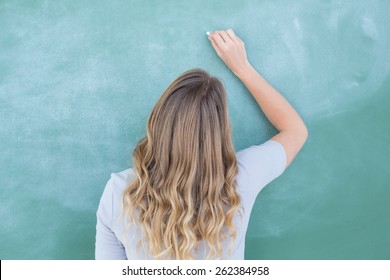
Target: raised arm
{"x":292,"y":130}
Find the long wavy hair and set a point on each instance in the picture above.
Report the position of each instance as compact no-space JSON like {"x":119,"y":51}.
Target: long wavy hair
{"x":185,"y":190}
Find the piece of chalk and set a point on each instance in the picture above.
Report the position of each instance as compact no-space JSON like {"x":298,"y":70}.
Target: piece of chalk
{"x":208,"y":33}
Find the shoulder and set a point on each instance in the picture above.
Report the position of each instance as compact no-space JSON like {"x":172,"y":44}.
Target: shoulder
{"x":258,"y":165}
{"x":270,"y":146}
{"x":120,"y":180}
{"x":268,"y":154}
{"x":111,"y":199}
{"x":115,"y":186}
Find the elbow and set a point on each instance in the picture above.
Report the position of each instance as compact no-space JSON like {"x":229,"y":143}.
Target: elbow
{"x":301,"y":133}
{"x":304,"y":133}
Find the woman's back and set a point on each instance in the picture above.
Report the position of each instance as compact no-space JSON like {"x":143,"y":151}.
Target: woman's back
{"x":257,"y":166}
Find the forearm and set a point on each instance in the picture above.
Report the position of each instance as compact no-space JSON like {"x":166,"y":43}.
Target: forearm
{"x":292,"y":130}
{"x":276,"y":108}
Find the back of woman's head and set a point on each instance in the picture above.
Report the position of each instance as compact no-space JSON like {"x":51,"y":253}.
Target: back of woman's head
{"x":185,"y":189}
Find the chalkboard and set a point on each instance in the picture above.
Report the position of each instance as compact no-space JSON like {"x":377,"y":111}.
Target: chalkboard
{"x":78,"y":80}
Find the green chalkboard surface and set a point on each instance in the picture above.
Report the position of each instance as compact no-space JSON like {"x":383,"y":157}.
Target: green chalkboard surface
{"x":78,"y":80}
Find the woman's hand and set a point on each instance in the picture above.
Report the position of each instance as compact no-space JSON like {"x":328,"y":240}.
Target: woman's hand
{"x":231,"y":49}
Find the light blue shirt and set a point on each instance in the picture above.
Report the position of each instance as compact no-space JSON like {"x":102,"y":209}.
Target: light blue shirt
{"x":258,"y":165}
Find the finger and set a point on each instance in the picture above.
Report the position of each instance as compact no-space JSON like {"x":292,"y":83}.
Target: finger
{"x":239,"y":39}
{"x":218,"y":39}
{"x":215,"y":46}
{"x":232,"y":35}
{"x":225,"y":37}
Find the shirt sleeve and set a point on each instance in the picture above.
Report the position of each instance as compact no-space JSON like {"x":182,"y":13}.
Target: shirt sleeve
{"x":107,"y":245}
{"x":259,"y":165}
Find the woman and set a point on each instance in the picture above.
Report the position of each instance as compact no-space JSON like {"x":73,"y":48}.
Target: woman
{"x":189,"y":195}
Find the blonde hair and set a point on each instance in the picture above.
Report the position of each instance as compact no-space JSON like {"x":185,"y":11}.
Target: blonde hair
{"x":185,"y":190}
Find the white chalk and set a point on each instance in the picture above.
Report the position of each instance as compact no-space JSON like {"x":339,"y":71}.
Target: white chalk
{"x":208,"y":33}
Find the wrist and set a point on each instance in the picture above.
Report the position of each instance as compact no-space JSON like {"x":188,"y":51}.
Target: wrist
{"x":245,"y":72}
